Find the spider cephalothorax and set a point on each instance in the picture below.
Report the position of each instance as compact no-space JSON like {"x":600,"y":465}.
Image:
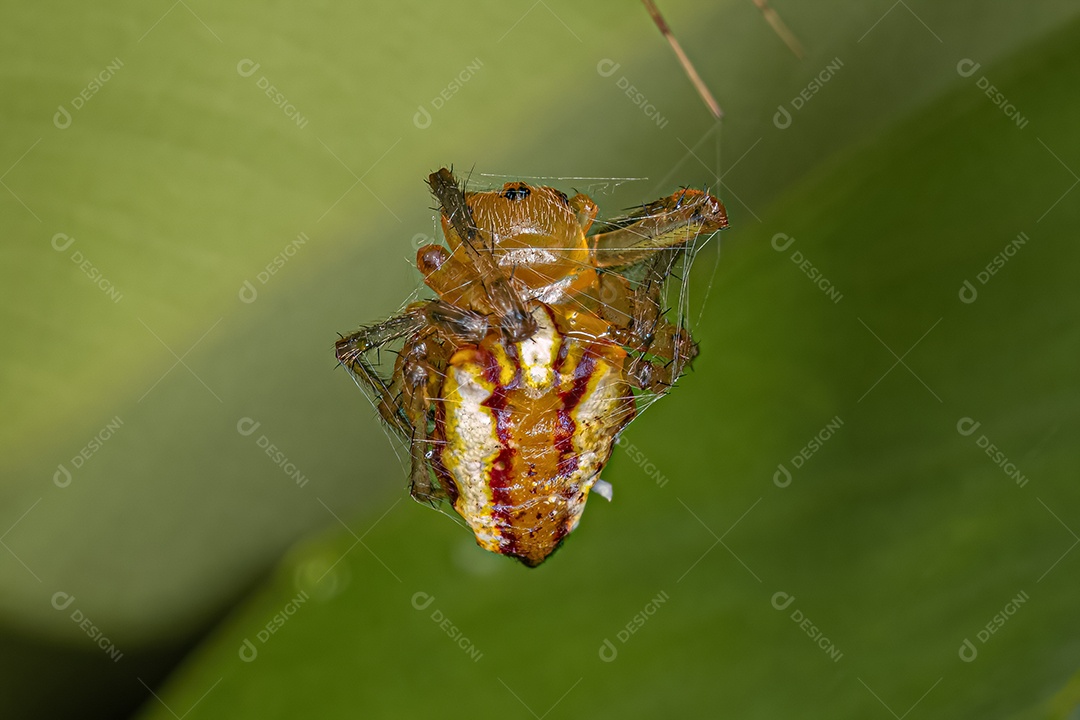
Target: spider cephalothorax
{"x":513,"y":384}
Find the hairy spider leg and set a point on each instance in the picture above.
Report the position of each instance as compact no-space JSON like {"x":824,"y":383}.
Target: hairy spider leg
{"x":433,"y":330}
{"x":665,"y":223}
{"x":653,"y":336}
{"x":352,"y":350}
{"x":452,"y":279}
{"x":515,"y":321}
{"x":552,"y":275}
{"x":420,"y":388}
{"x":655,"y":236}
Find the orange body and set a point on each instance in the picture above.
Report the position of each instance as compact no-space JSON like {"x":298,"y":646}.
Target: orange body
{"x":513,"y":385}
{"x":523,"y":431}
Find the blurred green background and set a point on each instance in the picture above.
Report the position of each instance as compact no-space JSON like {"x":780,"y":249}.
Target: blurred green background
{"x":197,"y":198}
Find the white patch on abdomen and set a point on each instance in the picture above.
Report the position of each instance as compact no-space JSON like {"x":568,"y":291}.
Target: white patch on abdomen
{"x":472,"y":444}
{"x":537,"y":354}
{"x":594,"y":425}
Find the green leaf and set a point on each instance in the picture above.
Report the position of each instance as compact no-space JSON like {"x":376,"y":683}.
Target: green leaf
{"x":131,"y":356}
{"x":850,"y":584}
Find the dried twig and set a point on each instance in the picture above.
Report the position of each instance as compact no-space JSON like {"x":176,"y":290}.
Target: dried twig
{"x":771,"y":16}
{"x":703,"y":91}
{"x":780,"y":28}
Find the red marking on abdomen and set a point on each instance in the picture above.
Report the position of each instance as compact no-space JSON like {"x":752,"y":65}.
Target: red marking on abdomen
{"x":501,"y":476}
{"x":565,"y":426}
{"x":564,"y":442}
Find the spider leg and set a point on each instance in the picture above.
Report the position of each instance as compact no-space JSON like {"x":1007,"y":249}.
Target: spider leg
{"x":659,"y":351}
{"x":432,"y":329}
{"x":421,"y":368}
{"x":420,"y":380}
{"x":516,"y":322}
{"x":352,"y":350}
{"x":652,"y":238}
{"x":453,"y":279}
{"x":666,"y":223}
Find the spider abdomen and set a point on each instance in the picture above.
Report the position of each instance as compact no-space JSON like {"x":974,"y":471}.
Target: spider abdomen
{"x":523,"y":431}
{"x":512,"y":385}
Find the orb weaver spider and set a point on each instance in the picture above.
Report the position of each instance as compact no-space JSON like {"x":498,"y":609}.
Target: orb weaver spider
{"x":513,"y":384}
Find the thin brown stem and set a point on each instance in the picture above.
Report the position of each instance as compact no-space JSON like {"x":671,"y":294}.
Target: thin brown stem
{"x":688,"y":66}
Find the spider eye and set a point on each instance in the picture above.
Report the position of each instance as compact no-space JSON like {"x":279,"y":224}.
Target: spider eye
{"x":516,"y":192}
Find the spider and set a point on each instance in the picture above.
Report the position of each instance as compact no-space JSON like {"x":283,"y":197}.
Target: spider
{"x":512,"y":385}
